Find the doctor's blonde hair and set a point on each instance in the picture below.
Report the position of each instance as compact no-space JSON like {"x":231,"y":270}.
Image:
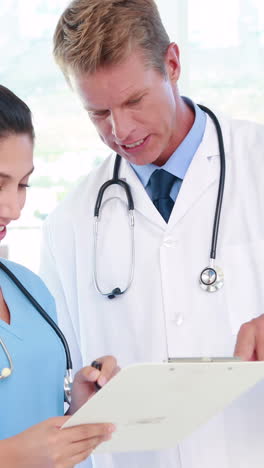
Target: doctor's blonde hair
{"x":96,"y":33}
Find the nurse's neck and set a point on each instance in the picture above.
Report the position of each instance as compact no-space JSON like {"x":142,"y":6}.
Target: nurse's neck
{"x":4,"y":311}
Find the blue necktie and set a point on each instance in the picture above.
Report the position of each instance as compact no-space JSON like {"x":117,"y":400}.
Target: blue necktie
{"x":161,"y":183}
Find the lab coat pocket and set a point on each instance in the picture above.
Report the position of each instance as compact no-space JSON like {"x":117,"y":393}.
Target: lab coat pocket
{"x":243,"y":266}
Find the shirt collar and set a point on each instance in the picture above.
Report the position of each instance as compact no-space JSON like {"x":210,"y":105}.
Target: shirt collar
{"x":180,"y":160}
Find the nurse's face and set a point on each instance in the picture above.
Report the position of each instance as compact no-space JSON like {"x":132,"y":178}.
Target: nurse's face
{"x":134,"y":107}
{"x":16,"y":165}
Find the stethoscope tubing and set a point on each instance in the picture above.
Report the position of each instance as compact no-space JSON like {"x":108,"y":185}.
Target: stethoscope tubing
{"x":221,"y":186}
{"x":114,"y":181}
{"x":218,"y":208}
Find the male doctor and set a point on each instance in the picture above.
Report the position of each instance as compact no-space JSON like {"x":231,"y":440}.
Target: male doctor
{"x":118,"y":57}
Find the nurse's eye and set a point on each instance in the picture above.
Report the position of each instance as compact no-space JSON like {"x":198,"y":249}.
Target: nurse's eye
{"x":23,"y":186}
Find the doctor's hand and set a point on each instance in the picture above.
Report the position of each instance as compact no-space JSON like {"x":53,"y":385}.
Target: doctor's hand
{"x":46,"y":445}
{"x":84,"y":382}
{"x":250,"y":340}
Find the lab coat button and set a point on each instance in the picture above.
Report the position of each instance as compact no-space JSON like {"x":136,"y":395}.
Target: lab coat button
{"x":170,"y":242}
{"x":178,"y":319}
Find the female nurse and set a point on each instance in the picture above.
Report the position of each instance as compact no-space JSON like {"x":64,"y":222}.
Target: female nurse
{"x":31,"y":389}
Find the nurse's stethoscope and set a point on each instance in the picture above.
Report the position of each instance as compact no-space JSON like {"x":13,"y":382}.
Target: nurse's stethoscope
{"x":6,"y":371}
{"x":211,"y":278}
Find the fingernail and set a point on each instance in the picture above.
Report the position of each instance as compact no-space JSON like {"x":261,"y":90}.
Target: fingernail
{"x":102,"y":380}
{"x":111,"y":428}
{"x":94,"y":375}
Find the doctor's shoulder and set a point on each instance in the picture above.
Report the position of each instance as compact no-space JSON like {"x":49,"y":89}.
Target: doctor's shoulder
{"x":32,"y":282}
{"x":249,"y":136}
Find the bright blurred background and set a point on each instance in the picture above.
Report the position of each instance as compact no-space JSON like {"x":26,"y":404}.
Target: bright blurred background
{"x":222,"y":56}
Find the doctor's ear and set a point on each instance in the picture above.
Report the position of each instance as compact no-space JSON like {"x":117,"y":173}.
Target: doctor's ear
{"x":172,"y":62}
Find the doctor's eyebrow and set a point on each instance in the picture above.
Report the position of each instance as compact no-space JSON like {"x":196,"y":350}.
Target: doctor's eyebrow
{"x":137,"y":95}
{"x":8,"y":176}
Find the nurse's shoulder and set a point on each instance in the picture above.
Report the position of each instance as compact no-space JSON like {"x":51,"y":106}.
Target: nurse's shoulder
{"x":31,"y":281}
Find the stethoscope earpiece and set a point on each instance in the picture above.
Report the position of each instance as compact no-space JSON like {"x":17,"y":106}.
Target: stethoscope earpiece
{"x":6,"y":371}
{"x":211,"y":279}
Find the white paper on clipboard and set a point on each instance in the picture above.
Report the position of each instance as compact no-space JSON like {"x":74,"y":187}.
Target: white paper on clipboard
{"x":154,"y":406}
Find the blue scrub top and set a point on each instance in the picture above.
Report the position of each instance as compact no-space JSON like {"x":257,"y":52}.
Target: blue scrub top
{"x":34,"y":391}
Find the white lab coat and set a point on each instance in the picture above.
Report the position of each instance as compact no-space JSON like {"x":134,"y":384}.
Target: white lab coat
{"x":165,"y":312}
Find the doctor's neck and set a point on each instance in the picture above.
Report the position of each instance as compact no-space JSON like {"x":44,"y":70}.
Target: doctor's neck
{"x":183,"y":122}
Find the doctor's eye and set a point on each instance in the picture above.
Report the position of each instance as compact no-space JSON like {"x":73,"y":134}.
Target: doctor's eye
{"x":133,"y":102}
{"x":98,"y":114}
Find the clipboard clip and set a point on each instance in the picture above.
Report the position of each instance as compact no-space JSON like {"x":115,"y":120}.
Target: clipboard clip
{"x":203,"y":359}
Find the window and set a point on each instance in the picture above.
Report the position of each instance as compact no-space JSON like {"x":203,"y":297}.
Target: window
{"x":222,"y":56}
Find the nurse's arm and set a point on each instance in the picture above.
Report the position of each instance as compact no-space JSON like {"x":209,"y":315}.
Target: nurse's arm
{"x":250,"y":340}
{"x":46,"y":445}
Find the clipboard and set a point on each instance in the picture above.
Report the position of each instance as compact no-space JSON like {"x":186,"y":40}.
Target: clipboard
{"x":155,"y":406}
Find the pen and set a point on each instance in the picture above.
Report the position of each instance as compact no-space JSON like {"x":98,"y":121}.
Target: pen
{"x":97,"y":365}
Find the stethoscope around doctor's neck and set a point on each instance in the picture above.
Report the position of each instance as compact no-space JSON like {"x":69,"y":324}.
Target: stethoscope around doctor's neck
{"x":211,"y":278}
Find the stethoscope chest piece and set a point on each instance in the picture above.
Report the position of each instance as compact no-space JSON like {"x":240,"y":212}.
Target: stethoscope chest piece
{"x":211,"y":279}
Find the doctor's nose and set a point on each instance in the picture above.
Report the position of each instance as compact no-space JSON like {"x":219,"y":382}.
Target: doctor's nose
{"x":122,"y":127}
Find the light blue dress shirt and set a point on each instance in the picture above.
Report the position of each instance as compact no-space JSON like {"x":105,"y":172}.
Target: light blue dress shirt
{"x":181,"y":159}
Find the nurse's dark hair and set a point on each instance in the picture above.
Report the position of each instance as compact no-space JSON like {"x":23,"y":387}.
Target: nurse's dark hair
{"x":15,"y":115}
{"x":95,"y":33}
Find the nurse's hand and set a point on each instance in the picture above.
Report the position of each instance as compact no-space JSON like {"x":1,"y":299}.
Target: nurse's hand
{"x":250,"y":340}
{"x":46,"y":445}
{"x":84,"y":382}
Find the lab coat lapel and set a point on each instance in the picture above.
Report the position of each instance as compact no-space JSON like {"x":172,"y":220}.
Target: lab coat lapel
{"x":202,"y":173}
{"x":142,"y":202}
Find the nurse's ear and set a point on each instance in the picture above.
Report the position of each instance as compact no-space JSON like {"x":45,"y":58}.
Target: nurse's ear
{"x":172,"y":63}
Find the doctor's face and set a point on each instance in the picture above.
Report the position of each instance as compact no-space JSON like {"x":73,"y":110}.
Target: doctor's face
{"x":133,"y":107}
